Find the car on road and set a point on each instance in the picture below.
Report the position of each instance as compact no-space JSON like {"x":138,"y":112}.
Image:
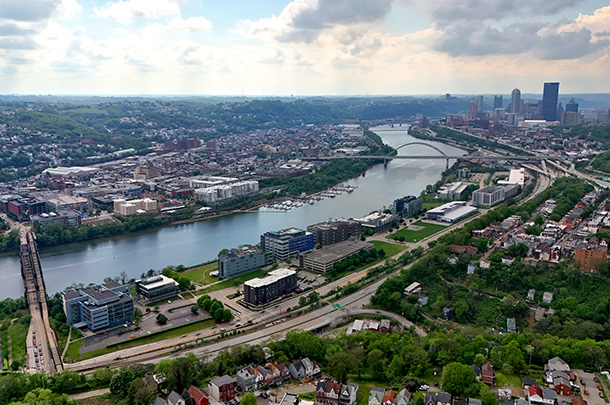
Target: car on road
{"x":586,"y":392}
{"x":424,"y":388}
{"x":601,"y":394}
{"x":582,"y":382}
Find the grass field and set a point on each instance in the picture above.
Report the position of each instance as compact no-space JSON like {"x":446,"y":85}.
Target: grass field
{"x":201,"y":274}
{"x":73,"y":349}
{"x":390,"y":249}
{"x":236,"y":281}
{"x":416,"y":236}
{"x":18,"y":333}
{"x":508,"y":380}
{"x":430,"y":205}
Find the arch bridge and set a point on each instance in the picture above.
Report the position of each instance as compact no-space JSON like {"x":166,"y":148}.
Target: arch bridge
{"x":387,"y":158}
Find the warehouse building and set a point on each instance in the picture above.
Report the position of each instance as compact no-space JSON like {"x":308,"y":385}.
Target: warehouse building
{"x":323,"y":260}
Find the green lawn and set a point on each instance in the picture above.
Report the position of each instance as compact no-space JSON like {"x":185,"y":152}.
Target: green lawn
{"x":416,"y":236}
{"x":508,"y":380}
{"x":430,"y":205}
{"x":308,"y":396}
{"x":236,"y":281}
{"x":201,"y":274}
{"x":390,"y":249}
{"x":18,"y":333}
{"x":74,"y":349}
{"x":363,"y":394}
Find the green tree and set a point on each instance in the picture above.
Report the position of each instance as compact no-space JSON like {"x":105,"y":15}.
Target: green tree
{"x":161,"y":319}
{"x":247,"y":399}
{"x":460,"y":380}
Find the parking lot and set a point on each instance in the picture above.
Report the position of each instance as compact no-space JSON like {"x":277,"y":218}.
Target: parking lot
{"x":587,"y":383}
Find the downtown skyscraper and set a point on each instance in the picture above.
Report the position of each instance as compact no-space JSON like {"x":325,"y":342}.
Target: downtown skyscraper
{"x":549,"y":101}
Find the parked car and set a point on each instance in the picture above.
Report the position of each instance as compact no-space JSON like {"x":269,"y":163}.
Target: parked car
{"x":582,"y":382}
{"x":595,"y":379}
{"x":601,"y":394}
{"x":599,"y":387}
{"x":424,"y":388}
{"x":586,"y":392}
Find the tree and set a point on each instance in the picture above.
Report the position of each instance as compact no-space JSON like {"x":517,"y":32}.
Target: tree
{"x":161,"y":319}
{"x":247,"y":399}
{"x":460,"y":379}
{"x":194,"y":309}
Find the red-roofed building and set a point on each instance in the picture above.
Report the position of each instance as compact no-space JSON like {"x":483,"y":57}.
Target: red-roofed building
{"x":198,"y":396}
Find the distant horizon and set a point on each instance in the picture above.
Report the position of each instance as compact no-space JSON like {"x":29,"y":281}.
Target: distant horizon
{"x":302,"y":47}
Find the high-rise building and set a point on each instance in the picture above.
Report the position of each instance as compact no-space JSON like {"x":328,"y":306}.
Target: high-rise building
{"x":515,"y":101}
{"x":560,"y":112}
{"x":331,"y":232}
{"x":479,"y":102}
{"x":549,"y":101}
{"x":572,"y":105}
{"x":287,"y":243}
{"x":472,"y":112}
{"x":497,"y":102}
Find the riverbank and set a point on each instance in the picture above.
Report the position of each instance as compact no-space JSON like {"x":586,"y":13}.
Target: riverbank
{"x":195,"y":240}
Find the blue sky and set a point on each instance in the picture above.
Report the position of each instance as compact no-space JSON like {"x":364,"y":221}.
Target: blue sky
{"x":302,"y":47}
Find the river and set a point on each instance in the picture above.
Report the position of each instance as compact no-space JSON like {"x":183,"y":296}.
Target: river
{"x":198,"y":242}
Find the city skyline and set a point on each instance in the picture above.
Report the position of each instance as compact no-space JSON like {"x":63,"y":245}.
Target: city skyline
{"x":302,"y":47}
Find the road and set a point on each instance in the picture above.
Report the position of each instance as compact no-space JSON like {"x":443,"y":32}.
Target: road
{"x":591,"y":386}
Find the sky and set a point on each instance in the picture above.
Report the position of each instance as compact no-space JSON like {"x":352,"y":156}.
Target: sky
{"x":303,"y":47}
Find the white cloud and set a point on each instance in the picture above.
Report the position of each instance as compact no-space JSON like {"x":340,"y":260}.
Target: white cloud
{"x":193,"y":24}
{"x":125,"y":11}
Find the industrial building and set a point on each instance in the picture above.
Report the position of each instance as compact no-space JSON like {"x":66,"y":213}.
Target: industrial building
{"x":156,"y":287}
{"x":407,"y":206}
{"x":131,"y":207}
{"x":377,"y":221}
{"x":98,"y":307}
{"x":451,"y":212}
{"x":240,"y":261}
{"x":67,"y":218}
{"x":22,"y":207}
{"x":452,"y":191}
{"x":277,"y":284}
{"x":63,"y":202}
{"x":491,"y":195}
{"x":331,"y":232}
{"x":323,"y":260}
{"x":287,"y":243}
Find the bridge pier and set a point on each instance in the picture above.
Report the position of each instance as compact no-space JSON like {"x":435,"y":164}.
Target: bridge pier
{"x":385,"y":162}
{"x":447,"y":165}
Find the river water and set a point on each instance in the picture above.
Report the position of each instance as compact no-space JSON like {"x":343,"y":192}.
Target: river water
{"x":198,"y":242}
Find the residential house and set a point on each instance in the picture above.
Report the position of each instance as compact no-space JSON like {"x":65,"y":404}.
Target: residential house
{"x":175,"y":399}
{"x":403,"y":397}
{"x":562,"y":386}
{"x":327,"y":392}
{"x":198,"y":396}
{"x":578,"y":401}
{"x":159,"y":401}
{"x":284,"y":372}
{"x":459,"y":249}
{"x":484,"y":264}
{"x":553,"y":374}
{"x":557,"y":364}
{"x":389,"y":398}
{"x":488,"y":375}
{"x":535,"y":397}
{"x":474,"y":401}
{"x":511,"y":325}
{"x":460,"y":401}
{"x":349,"y":394}
{"x":384,"y":326}
{"x":222,"y":388}
{"x":376,"y":395}
{"x":547,"y":297}
{"x":471,"y":268}
{"x":297,"y":370}
{"x":266,"y":374}
{"x":413,"y":288}
{"x":549,"y":396}
{"x":531,"y":293}
{"x":249,"y":378}
{"x":312,"y":370}
{"x":476,"y":370}
{"x":441,"y":398}
{"x":275,"y":375}
{"x":528,"y":382}
{"x":508,"y":260}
